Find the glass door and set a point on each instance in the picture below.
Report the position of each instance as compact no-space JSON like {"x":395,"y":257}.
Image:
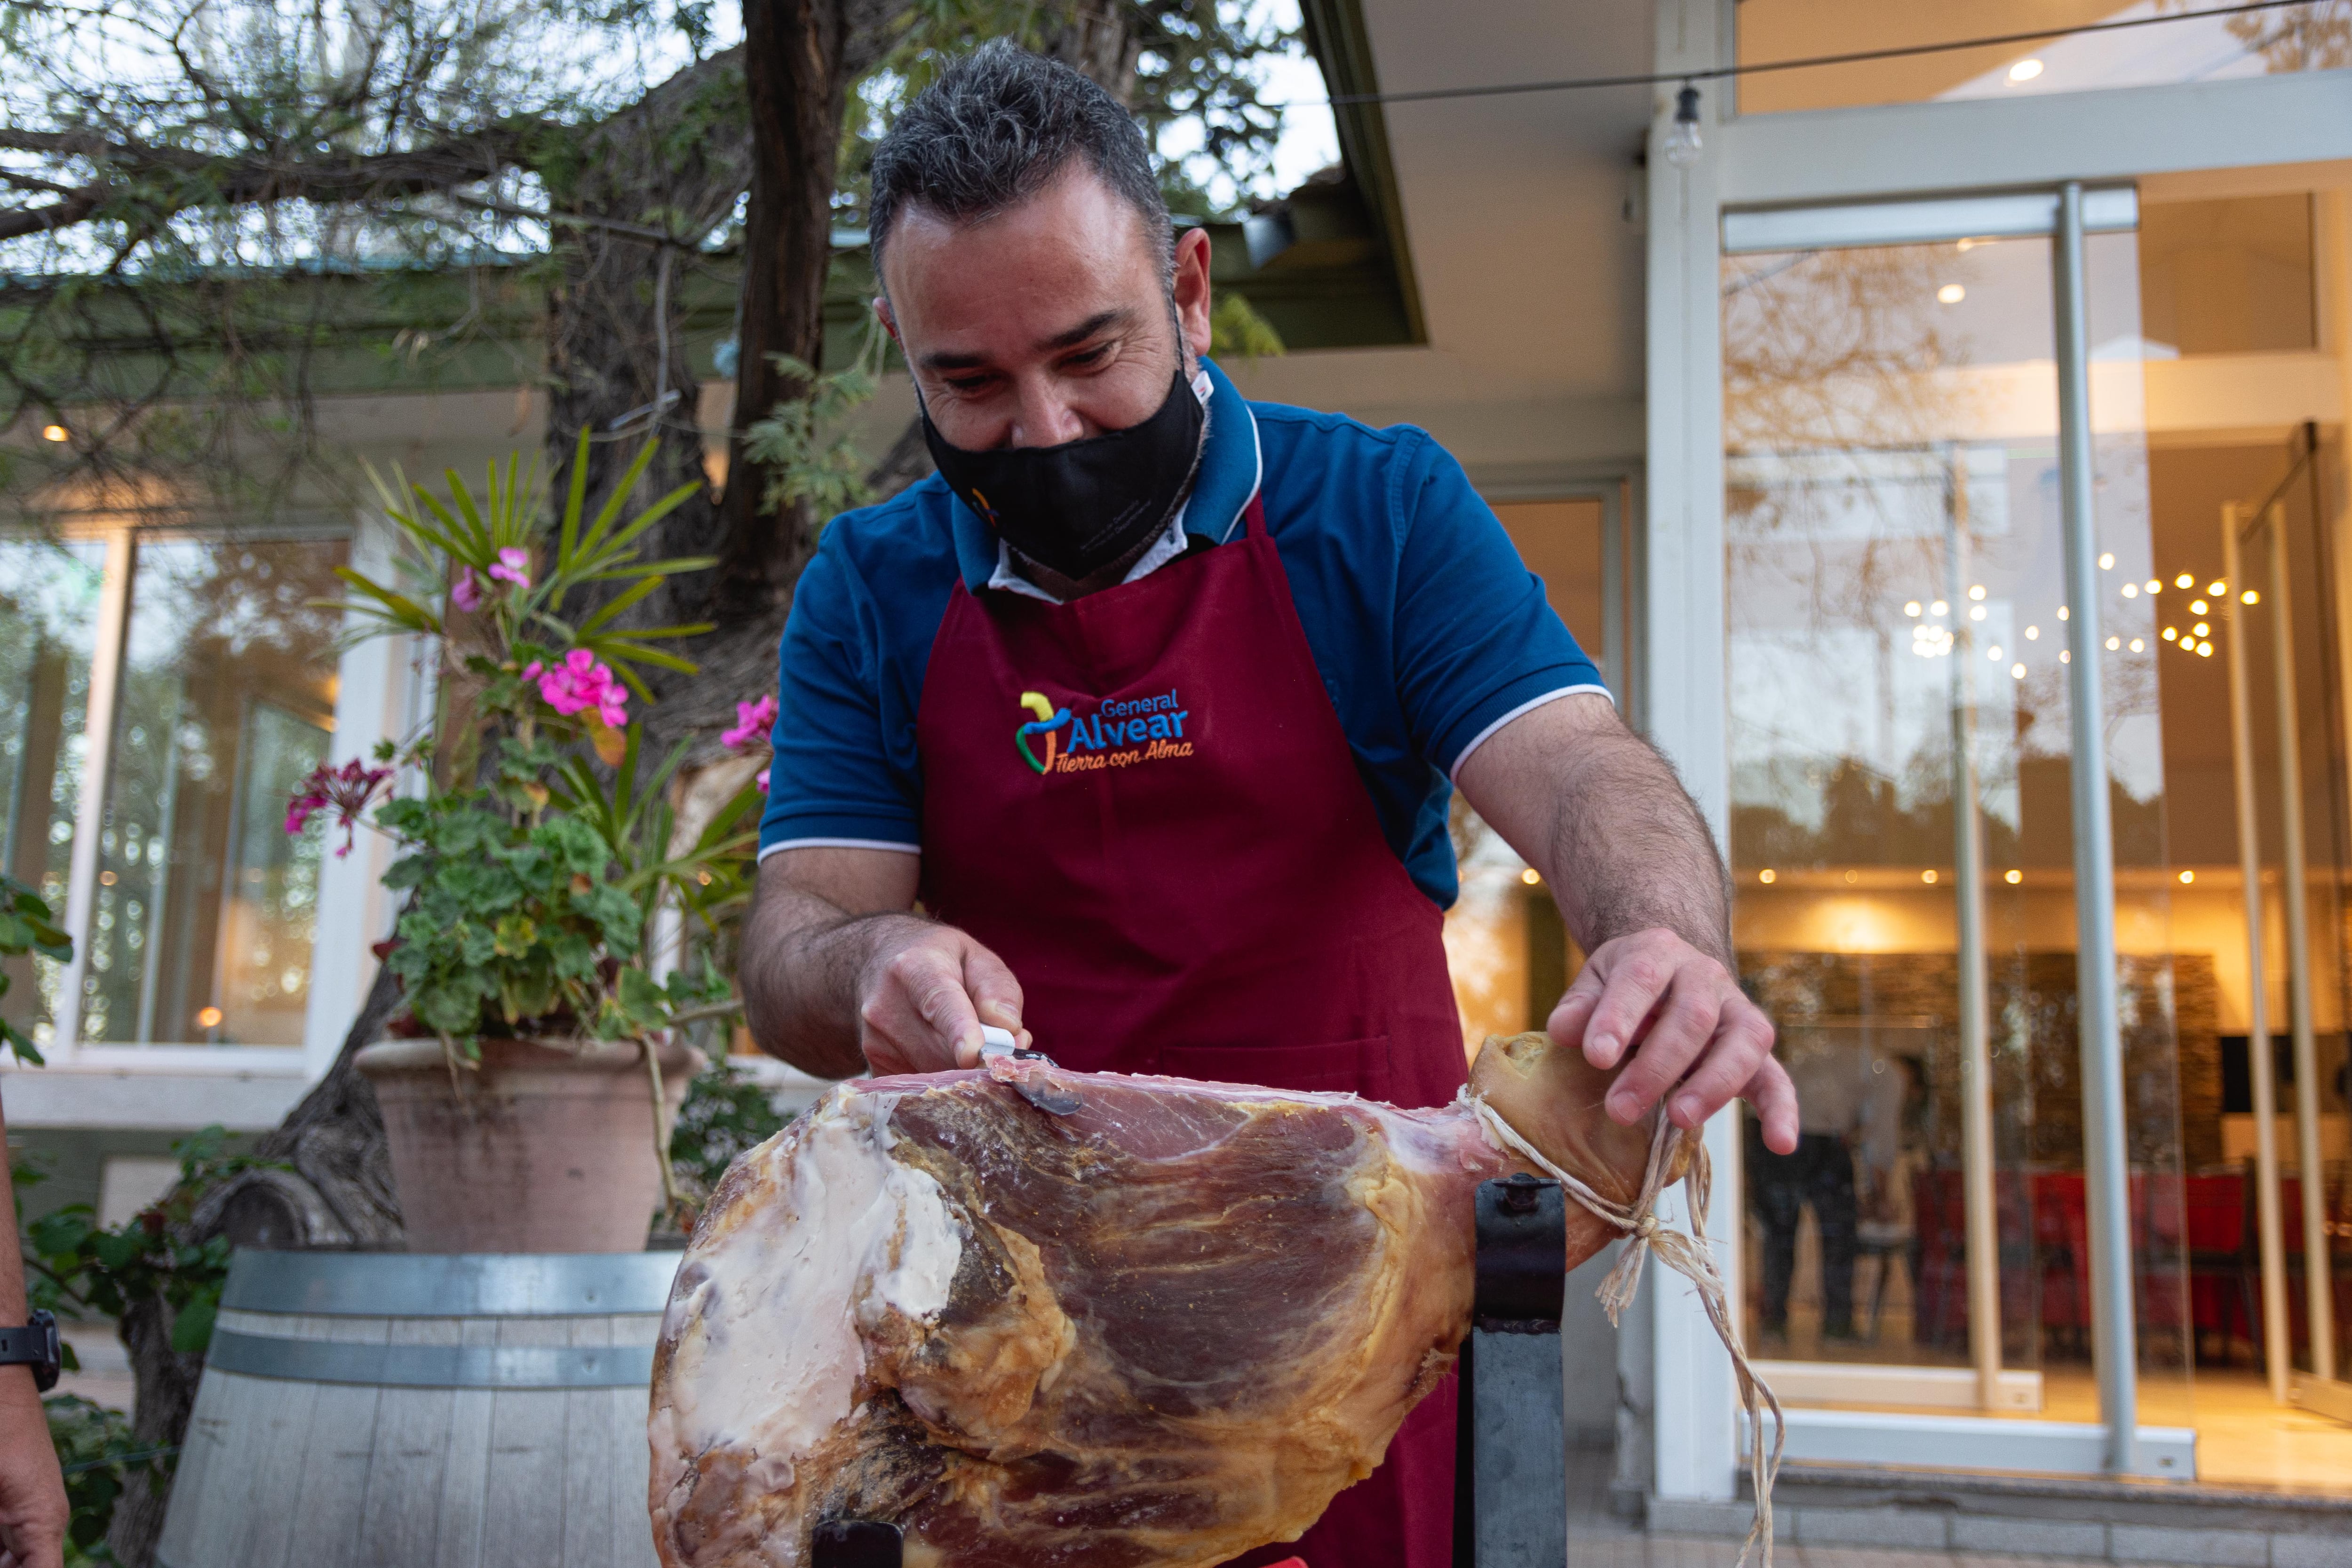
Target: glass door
{"x":1903,"y":843}
{"x":2283,"y":596}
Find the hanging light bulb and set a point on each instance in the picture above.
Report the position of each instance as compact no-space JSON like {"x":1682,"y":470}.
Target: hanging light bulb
{"x":1681,"y":144}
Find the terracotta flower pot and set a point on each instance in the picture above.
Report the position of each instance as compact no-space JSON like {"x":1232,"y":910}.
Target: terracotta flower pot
{"x":539,"y":1149}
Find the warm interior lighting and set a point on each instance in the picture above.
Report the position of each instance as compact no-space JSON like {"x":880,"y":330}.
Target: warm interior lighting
{"x":1977,"y":590}
{"x":2138,"y":646}
{"x":2201,"y":629}
{"x":2114,"y":643}
{"x":1951,"y":294}
{"x":2107,"y":562}
{"x":2061,"y":612}
{"x":2249,"y":597}
{"x":1768,"y":876}
{"x":2217,"y":588}
{"x":2154,"y":586}
{"x":1911,"y":609}
{"x":2065,"y":656}
{"x":2025,"y":70}
{"x":2187,"y":876}
{"x":1852,"y":877}
{"x":1940,"y":608}
{"x":1993,"y":653}
{"x":1531,"y":876}
{"x":1929,"y":877}
{"x":2017,"y":672}
{"x":2198,"y":607}
{"x":2184,"y":581}
{"x":2031,"y":632}
{"x":208,"y":1017}
{"x":2012,"y":877}
{"x":2204,"y":650}
{"x":54,"y":433}
{"x":2169,"y":634}
{"x":1976,"y":611}
{"x":2131,"y":590}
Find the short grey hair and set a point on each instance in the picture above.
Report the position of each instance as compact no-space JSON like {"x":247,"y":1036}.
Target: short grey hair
{"x":997,"y":127}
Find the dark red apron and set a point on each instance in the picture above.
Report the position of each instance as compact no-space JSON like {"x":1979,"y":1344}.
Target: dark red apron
{"x":1143,"y":802}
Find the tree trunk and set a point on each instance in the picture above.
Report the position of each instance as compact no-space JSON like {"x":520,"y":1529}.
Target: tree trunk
{"x":796,"y":85}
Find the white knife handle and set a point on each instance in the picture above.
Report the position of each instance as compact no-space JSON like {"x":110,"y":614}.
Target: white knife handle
{"x":995,"y":1041}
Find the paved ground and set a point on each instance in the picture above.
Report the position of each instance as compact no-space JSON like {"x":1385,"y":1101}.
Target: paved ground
{"x":1598,"y":1539}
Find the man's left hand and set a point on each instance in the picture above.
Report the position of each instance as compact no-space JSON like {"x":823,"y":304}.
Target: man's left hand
{"x":1691,"y":1032}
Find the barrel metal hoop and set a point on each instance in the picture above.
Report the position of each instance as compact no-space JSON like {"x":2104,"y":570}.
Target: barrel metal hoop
{"x":450,"y":1285}
{"x":433,"y":1365}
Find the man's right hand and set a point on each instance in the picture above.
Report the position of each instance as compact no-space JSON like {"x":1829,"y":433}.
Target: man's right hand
{"x":840,"y":979}
{"x":923,"y":993}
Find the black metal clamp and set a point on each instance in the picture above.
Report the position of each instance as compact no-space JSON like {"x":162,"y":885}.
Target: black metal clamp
{"x":1510,"y":1479}
{"x":858,"y":1543}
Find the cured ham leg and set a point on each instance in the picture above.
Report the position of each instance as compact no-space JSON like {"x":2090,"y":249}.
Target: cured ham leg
{"x":1154,"y":1326}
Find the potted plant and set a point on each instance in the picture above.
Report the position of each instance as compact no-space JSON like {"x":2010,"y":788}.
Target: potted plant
{"x":536,"y":1063}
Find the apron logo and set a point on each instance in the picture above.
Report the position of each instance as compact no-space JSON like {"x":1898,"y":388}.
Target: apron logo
{"x":1119,"y":733}
{"x":1047,"y":723}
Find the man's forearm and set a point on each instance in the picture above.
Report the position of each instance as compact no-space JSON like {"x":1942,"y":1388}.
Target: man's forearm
{"x":802,"y":957}
{"x":1627,"y":849}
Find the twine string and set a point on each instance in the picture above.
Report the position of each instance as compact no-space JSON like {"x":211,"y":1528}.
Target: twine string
{"x":1688,"y":1256}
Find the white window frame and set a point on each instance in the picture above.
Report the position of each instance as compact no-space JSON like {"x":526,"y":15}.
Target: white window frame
{"x":374,"y":698}
{"x":1814,"y":157}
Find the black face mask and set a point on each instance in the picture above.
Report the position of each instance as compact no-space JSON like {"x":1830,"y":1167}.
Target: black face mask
{"x":1080,"y":506}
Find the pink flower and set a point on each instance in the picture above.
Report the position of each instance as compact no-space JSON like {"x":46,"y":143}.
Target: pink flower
{"x":762,"y":780}
{"x":753,"y":721}
{"x":514,"y":566}
{"x":466,"y":594}
{"x":345,"y":791}
{"x":581,"y":683}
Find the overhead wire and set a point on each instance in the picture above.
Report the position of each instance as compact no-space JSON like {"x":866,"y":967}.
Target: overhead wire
{"x":1755,"y":67}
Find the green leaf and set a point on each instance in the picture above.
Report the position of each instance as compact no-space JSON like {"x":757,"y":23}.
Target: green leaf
{"x":192,"y":1327}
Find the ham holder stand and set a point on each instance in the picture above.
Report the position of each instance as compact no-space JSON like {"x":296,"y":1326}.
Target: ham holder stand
{"x":1510,"y":1488}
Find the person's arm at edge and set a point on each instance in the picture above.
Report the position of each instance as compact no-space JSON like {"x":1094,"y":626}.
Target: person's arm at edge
{"x":32,"y":1490}
{"x":1596,"y":810}
{"x":842,"y":977}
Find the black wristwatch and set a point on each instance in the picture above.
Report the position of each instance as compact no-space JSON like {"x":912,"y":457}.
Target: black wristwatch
{"x":35,"y":1345}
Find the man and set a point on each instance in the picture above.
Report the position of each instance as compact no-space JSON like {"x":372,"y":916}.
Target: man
{"x":1152,"y":697}
{"x":32,"y":1490}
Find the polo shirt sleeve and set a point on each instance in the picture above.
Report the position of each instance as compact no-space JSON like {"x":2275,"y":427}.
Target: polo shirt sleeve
{"x":834,"y":782}
{"x":1477,"y":643}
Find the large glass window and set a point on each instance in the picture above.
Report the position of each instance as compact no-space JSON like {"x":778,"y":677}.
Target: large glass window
{"x":1902,"y":835}
{"x":204,"y":908}
{"x":2192,"y":48}
{"x":48,"y":605}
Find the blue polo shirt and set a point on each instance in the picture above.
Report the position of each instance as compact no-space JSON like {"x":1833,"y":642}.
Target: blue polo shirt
{"x":1429,"y":630}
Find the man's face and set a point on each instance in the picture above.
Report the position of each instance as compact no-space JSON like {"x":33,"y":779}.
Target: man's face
{"x":1045,"y":324}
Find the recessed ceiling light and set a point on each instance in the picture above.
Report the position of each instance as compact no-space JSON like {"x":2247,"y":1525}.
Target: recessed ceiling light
{"x":2025,"y":70}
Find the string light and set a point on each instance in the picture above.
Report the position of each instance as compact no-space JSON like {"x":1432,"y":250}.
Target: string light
{"x":1768,"y":876}
{"x":2187,"y":877}
{"x":2204,"y":650}
{"x":2154,"y":586}
{"x":2131,"y":590}
{"x":2169,"y":634}
{"x":2032,"y":634}
{"x":1929,"y":877}
{"x":2061,"y":612}
{"x":1977,"y":590}
{"x":2114,"y":643}
{"x":2198,"y":607}
{"x":1682,"y":143}
{"x":2217,"y":588}
{"x":1951,"y":294}
{"x":1940,"y":608}
{"x":2249,"y":597}
{"x":2138,"y":646}
{"x":2201,"y":629}
{"x":1912,"y":610}
{"x":2107,"y":562}
{"x":1976,"y":611}
{"x":2184,"y":581}
{"x":2012,"y":877}
{"x":2017,"y":672}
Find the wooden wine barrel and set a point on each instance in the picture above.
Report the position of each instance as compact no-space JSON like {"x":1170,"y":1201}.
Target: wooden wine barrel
{"x":394,"y":1410}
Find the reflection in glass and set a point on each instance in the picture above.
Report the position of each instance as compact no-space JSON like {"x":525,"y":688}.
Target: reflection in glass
{"x":49,"y":607}
{"x":202,"y":926}
{"x":1901,"y":830}
{"x":2194,"y":48}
